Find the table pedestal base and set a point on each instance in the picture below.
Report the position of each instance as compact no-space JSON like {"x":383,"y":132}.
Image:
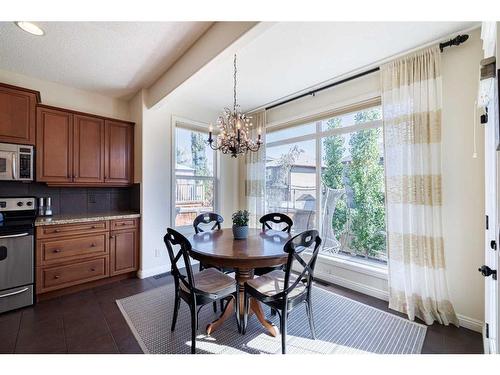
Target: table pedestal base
{"x":255,"y":307}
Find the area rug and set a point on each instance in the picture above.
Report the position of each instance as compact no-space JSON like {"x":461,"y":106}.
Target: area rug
{"x":342,"y":326}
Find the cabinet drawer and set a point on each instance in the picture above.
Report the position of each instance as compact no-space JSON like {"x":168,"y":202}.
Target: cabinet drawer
{"x":52,"y":278}
{"x":56,"y":250}
{"x":123,"y":224}
{"x":49,"y":231}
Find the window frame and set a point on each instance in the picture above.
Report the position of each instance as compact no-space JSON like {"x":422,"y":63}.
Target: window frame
{"x":184,"y":123}
{"x":318,"y":136}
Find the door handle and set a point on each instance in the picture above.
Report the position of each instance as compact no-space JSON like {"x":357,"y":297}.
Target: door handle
{"x":487,"y":271}
{"x":14,"y":293}
{"x":15,"y":235}
{"x":14,"y":169}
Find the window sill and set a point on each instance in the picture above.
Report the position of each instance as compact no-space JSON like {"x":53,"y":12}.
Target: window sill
{"x":366,"y":268}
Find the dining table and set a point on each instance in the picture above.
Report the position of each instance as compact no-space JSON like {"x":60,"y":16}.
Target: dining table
{"x":260,"y":249}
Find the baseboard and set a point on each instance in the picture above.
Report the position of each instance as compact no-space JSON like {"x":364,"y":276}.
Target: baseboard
{"x":470,"y":323}
{"x":358,"y":287}
{"x":145,"y":273}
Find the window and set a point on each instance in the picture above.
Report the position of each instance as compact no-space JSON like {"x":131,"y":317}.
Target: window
{"x":195,"y":175}
{"x":341,"y":163}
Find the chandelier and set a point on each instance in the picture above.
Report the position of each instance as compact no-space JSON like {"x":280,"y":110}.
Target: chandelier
{"x":234,"y":130}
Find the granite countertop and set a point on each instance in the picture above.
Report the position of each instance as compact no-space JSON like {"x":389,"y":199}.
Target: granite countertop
{"x":82,"y":218}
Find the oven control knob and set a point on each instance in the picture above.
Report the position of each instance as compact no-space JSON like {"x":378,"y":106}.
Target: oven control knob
{"x":20,"y":204}
{"x":30,"y":203}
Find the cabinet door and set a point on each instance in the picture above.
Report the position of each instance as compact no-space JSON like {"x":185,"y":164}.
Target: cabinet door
{"x":88,"y":149}
{"x":119,"y":151}
{"x":17,"y":116}
{"x":54,"y":144}
{"x":124,"y":251}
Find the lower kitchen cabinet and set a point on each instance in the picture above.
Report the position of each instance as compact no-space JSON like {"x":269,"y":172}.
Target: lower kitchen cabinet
{"x":124,"y":251}
{"x":73,"y":254}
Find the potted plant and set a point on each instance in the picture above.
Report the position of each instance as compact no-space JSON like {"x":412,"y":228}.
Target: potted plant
{"x":240,"y":224}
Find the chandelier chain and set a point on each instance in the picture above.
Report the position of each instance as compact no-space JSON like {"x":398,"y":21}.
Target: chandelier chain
{"x":234,"y":91}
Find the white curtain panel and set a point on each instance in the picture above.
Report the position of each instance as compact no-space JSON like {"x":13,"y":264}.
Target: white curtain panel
{"x":255,"y":164}
{"x":411,"y":101}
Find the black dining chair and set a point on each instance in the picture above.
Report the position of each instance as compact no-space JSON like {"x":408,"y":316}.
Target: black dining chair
{"x":196,"y":289}
{"x":210,"y":221}
{"x":282,"y":290}
{"x":266,"y":221}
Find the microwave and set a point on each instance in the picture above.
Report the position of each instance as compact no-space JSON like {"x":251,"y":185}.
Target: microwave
{"x":16,"y":162}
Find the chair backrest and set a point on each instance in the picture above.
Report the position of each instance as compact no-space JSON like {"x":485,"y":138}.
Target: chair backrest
{"x":295,"y":247}
{"x":174,"y":238}
{"x":276,"y":218}
{"x":207,"y":219}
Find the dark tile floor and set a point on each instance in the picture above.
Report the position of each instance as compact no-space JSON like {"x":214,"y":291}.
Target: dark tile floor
{"x":90,"y":322}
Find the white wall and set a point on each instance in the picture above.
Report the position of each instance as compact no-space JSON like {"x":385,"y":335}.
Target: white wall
{"x":70,"y":98}
{"x":463,"y":178}
{"x":156,"y":203}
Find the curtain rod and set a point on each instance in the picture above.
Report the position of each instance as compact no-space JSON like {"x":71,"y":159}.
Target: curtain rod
{"x":459,"y":39}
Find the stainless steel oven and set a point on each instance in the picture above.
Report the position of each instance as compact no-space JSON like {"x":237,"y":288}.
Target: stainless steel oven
{"x":17,"y":257}
{"x":16,"y":162}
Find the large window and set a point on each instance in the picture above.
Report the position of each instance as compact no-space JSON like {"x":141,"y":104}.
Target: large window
{"x":332,"y":180}
{"x":195,"y":181}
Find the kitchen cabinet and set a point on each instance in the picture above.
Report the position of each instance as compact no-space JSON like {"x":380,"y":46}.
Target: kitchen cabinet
{"x":17,"y":114}
{"x":76,"y":149}
{"x":124,"y":253}
{"x":71,"y":255}
{"x":54,"y":146}
{"x":119,"y":151}
{"x":88,"y":149}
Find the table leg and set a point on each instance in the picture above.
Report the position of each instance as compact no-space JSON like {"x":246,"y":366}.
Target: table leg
{"x":242,"y":276}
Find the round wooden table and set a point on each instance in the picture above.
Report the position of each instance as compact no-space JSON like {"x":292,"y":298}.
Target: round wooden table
{"x":260,"y":249}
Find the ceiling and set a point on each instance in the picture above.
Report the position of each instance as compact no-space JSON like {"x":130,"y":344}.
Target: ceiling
{"x":288,"y":57}
{"x":111,"y":58}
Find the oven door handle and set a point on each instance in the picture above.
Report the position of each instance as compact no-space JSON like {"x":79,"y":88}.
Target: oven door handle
{"x":14,"y":293}
{"x":15,"y":235}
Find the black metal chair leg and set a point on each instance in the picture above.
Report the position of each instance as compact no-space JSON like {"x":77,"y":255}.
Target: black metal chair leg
{"x":215,"y":306}
{"x":194,"y":325}
{"x":221,"y":303}
{"x":176,"y":309}
{"x":273,"y":311}
{"x":237,"y":308}
{"x":284,"y":317}
{"x":311,"y":320}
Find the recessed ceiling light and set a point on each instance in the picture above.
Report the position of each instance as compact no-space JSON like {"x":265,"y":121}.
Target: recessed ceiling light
{"x":30,"y":28}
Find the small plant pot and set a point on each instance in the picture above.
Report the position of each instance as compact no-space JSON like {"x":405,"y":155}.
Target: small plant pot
{"x":240,"y":233}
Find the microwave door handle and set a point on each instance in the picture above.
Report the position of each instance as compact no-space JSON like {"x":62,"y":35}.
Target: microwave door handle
{"x":14,"y":169}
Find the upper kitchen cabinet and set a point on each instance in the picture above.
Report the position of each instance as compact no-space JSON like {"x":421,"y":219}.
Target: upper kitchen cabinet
{"x":77,"y":149}
{"x":88,"y":149}
{"x":54,"y":146}
{"x":119,"y":152}
{"x":17,"y":114}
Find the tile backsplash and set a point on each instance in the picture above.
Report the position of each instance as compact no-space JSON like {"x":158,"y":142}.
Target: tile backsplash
{"x":76,"y":200}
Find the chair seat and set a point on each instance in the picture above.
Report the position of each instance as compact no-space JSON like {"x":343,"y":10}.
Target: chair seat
{"x":211,"y":280}
{"x":272,"y":283}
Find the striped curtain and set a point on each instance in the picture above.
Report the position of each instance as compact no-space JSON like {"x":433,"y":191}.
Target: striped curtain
{"x":411,"y":101}
{"x":255,"y":164}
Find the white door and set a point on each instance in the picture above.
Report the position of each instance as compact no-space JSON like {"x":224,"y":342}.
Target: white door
{"x":492,"y":184}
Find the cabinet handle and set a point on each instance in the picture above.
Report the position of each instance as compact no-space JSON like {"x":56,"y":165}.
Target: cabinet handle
{"x":57,"y":230}
{"x":56,"y":276}
{"x":92,"y":245}
{"x":123,"y":223}
{"x":93,"y":226}
{"x":57,"y":250}
{"x":92,"y":269}
{"x":111,"y":237}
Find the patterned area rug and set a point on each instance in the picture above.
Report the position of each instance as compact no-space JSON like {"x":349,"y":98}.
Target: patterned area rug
{"x":342,"y":326}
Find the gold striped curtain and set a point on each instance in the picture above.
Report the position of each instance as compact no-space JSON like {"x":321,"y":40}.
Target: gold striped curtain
{"x":411,"y":101}
{"x":255,"y":165}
